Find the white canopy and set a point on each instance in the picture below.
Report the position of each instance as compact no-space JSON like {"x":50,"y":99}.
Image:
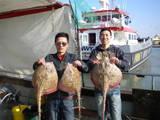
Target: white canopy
{"x":28,"y":34}
{"x":10,"y":5}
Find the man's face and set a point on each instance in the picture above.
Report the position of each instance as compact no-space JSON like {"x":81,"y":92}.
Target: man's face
{"x":105,"y":37}
{"x":61,"y":45}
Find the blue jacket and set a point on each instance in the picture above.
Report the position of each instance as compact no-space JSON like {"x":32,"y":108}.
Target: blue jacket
{"x":124,"y":64}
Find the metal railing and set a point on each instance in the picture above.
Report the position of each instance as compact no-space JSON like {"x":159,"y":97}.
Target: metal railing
{"x":143,"y":75}
{"x":129,"y":81}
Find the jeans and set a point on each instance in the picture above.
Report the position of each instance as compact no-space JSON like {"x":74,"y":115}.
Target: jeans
{"x":113,"y":102}
{"x":60,"y":109}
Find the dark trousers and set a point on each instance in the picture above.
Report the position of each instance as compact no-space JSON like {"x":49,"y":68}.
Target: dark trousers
{"x":60,"y":109}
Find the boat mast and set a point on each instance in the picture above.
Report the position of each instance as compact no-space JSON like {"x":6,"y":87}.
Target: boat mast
{"x":104,"y":4}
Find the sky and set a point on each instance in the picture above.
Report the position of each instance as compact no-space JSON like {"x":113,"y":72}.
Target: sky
{"x":144,"y":14}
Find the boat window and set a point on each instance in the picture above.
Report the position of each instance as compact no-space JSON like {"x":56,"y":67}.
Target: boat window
{"x":84,"y":40}
{"x":129,"y":36}
{"x":117,"y":35}
{"x":106,"y":18}
{"x":98,"y":18}
{"x":94,"y":18}
{"x":116,"y":16}
{"x":87,"y":19}
{"x":92,"y":38}
{"x":132,"y":37}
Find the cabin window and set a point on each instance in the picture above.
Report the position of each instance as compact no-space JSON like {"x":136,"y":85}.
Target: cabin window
{"x":132,"y":37}
{"x":116,"y":16}
{"x":106,"y":18}
{"x":84,"y":39}
{"x":98,"y":18}
{"x":117,"y":36}
{"x":129,"y":36}
{"x":87,"y":19}
{"x":92,"y":38}
{"x":94,"y":18}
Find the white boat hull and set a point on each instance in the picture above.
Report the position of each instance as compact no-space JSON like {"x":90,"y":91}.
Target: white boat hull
{"x":136,"y":53}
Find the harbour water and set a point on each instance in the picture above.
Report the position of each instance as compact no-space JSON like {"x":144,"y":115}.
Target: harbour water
{"x":152,"y":65}
{"x":146,"y":76}
{"x":150,"y":70}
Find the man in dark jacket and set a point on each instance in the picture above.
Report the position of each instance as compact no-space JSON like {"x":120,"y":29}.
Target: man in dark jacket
{"x":60,"y":104}
{"x":116,"y":56}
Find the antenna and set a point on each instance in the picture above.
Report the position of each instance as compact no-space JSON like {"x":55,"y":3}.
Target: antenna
{"x":104,"y":4}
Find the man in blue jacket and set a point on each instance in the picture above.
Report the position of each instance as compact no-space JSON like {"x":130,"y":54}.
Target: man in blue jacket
{"x":117,"y":58}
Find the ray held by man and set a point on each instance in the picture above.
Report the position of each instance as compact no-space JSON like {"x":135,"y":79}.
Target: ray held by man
{"x":105,"y":75}
{"x":45,"y":81}
{"x":71,"y":82}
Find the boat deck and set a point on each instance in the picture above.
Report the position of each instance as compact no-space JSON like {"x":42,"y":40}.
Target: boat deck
{"x":132,"y":101}
{"x":86,"y":114}
{"x":6,"y":114}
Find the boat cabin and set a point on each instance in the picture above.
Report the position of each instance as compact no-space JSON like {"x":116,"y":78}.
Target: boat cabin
{"x":106,"y":18}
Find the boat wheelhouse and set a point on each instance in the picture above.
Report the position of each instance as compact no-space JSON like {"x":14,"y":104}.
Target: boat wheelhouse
{"x":136,"y":50}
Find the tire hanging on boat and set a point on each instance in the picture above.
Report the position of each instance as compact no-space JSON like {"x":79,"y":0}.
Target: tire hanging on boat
{"x":71,"y":82}
{"x":45,"y":81}
{"x":104,"y":75}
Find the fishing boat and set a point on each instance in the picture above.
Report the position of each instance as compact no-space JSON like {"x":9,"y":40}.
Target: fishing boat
{"x":156,"y":41}
{"x":136,"y":49}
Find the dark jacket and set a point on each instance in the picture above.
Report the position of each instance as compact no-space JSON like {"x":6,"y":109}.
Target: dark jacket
{"x":60,"y":67}
{"x":124,"y":64}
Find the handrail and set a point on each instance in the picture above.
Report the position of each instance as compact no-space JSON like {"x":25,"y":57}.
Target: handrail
{"x":142,"y":74}
{"x":152,"y":75}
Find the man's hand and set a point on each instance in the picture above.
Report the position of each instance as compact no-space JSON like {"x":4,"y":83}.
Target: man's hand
{"x":95,"y":61}
{"x":77,"y":63}
{"x":41,"y":61}
{"x":114,"y":60}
